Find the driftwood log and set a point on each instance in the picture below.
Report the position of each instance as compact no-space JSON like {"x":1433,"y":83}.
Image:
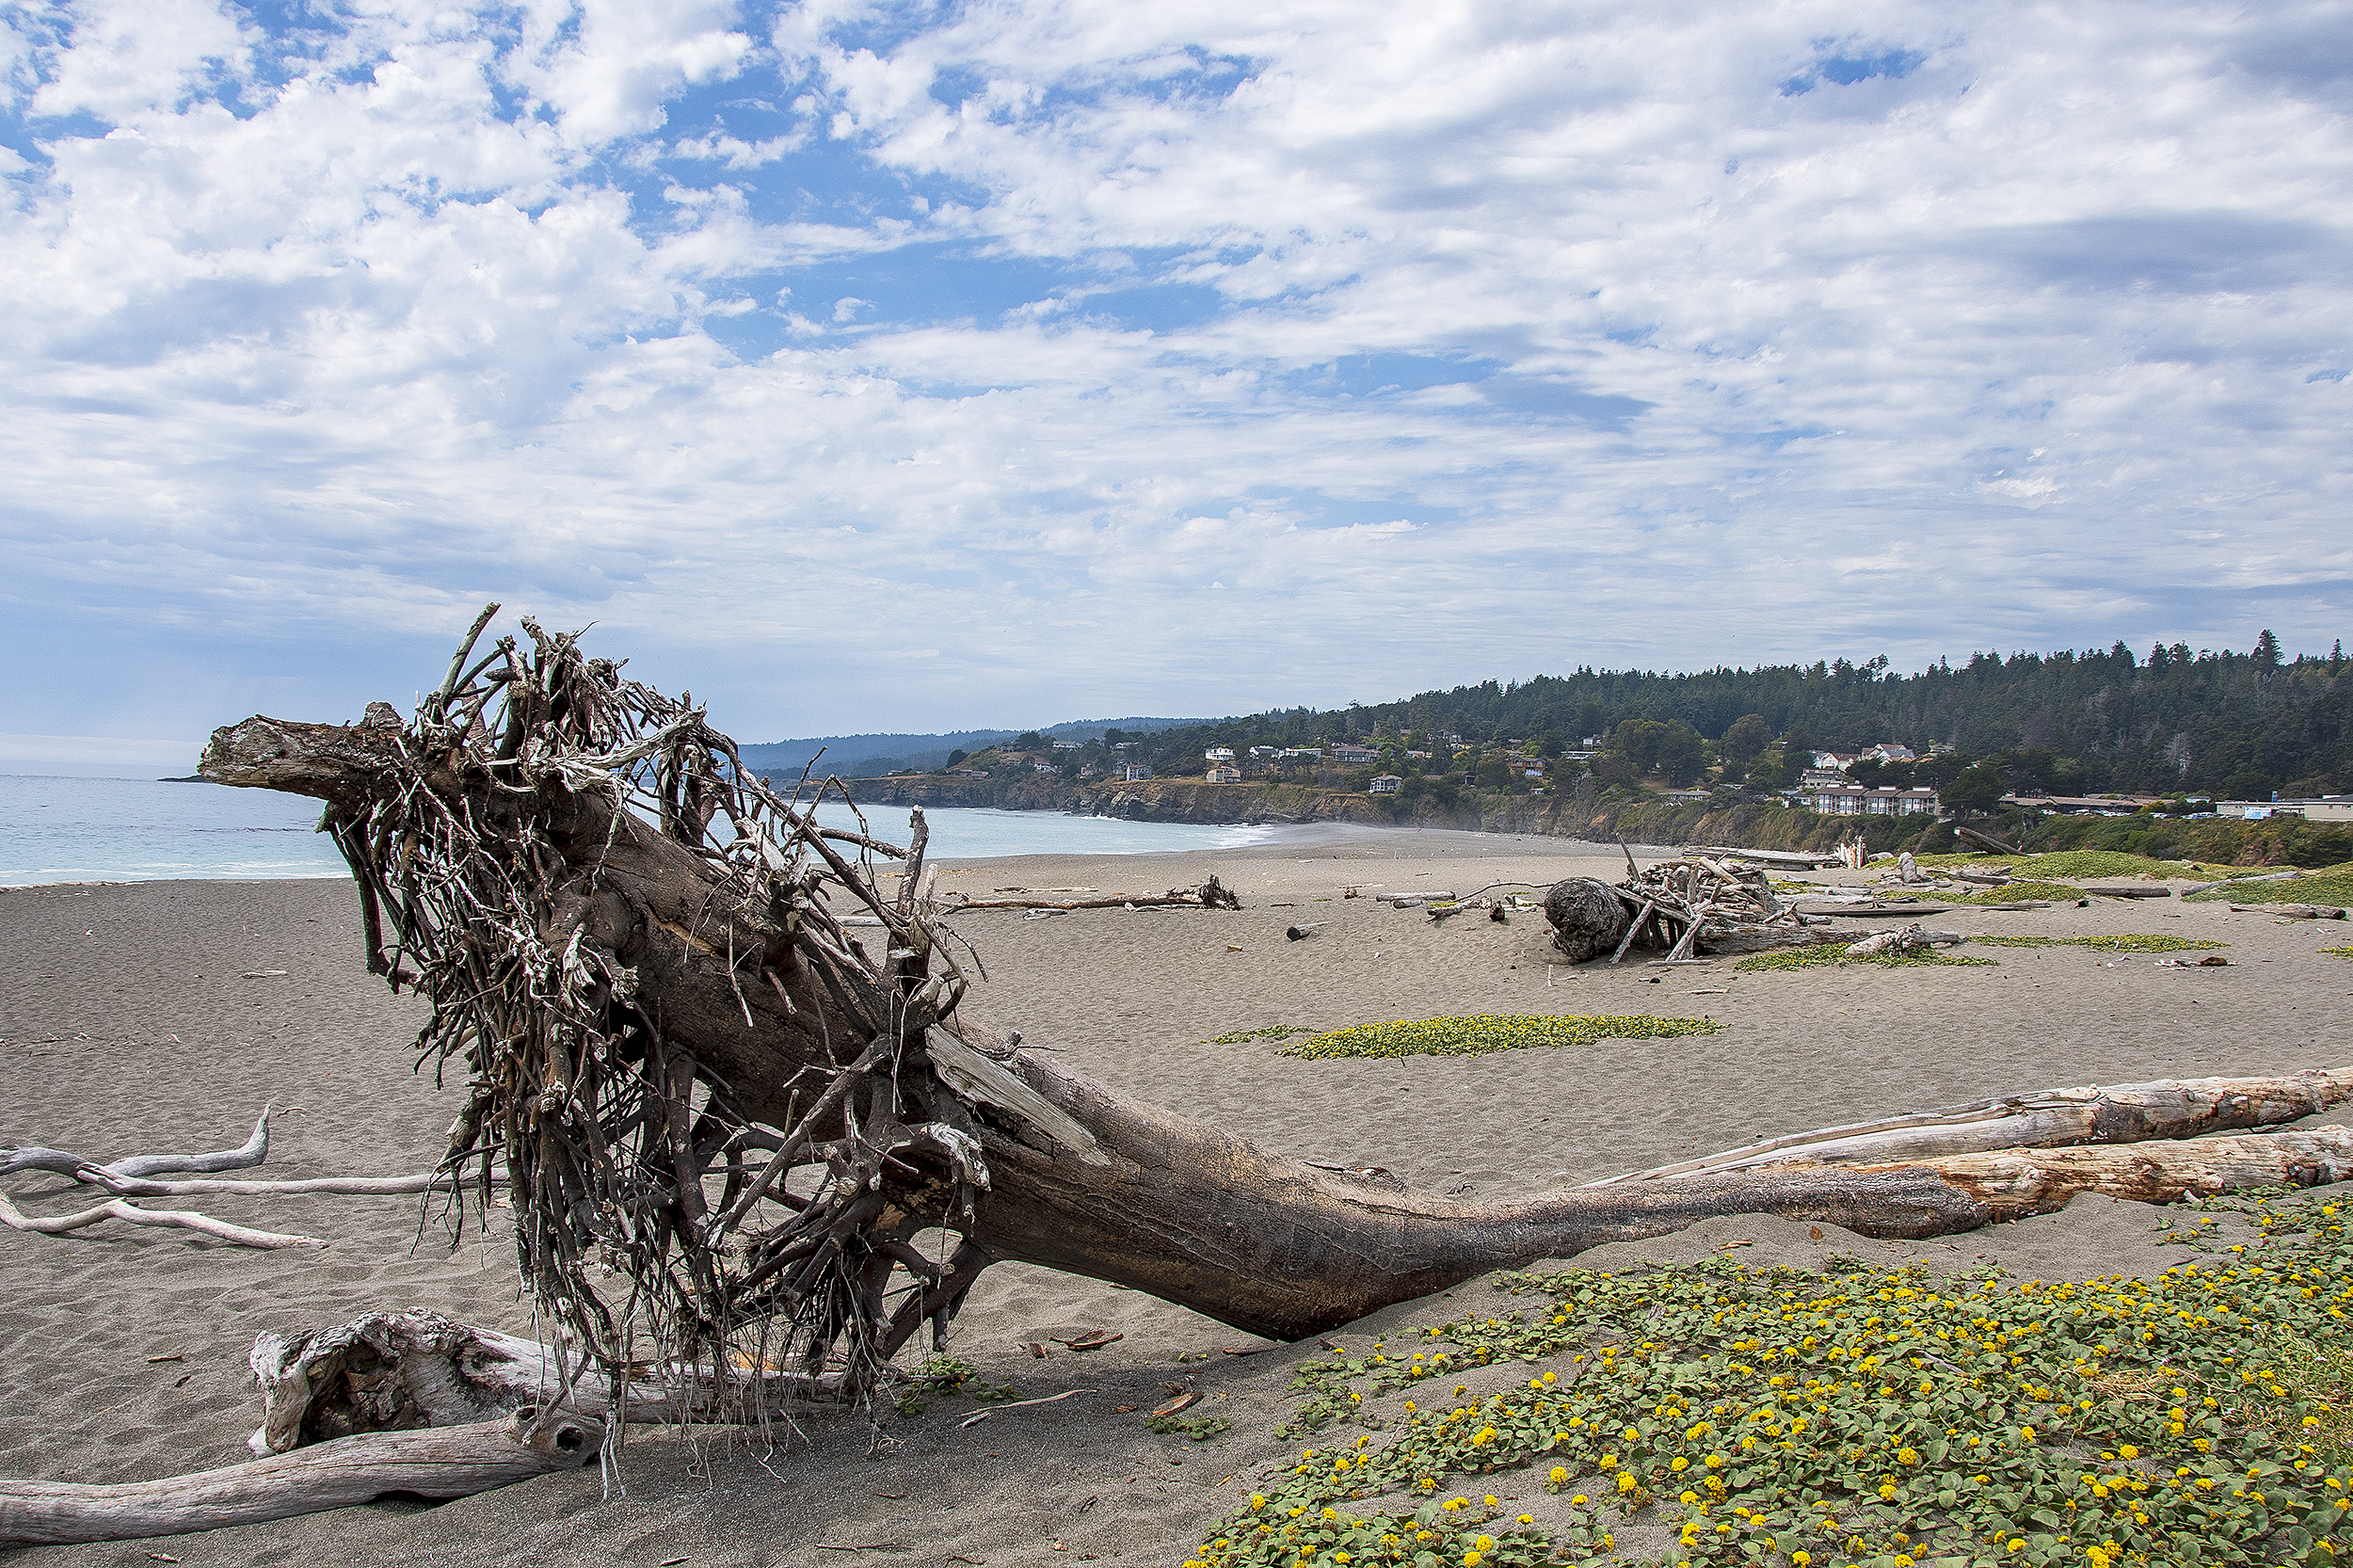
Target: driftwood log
{"x":1211,"y":894}
{"x":446,"y":1461}
{"x":631,"y":948}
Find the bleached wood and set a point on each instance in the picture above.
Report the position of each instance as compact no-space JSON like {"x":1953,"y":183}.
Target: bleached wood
{"x":443,"y":1461}
{"x":2125,"y":1113}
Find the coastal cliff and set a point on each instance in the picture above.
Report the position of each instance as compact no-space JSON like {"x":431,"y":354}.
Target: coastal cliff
{"x":1170,"y":800}
{"x":1585,"y":812}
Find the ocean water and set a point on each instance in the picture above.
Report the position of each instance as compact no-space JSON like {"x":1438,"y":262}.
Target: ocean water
{"x":144,"y":830}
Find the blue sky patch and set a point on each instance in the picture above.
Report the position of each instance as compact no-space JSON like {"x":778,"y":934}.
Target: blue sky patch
{"x":1847,"y":66}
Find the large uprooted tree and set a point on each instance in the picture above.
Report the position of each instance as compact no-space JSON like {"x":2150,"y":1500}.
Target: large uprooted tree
{"x":718,"y":1064}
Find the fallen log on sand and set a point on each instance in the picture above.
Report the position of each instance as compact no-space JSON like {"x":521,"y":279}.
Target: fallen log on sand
{"x":443,"y":1461}
{"x":628,"y":942}
{"x":2134,"y":1113}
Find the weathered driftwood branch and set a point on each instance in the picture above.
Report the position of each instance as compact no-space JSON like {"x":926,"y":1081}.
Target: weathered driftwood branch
{"x":121,"y":1178}
{"x":444,"y":1462}
{"x":131,"y":1213}
{"x":2118,"y":1113}
{"x":393,"y":1370}
{"x":253,"y":1151}
{"x":2010,"y":1184}
{"x":627,"y":943}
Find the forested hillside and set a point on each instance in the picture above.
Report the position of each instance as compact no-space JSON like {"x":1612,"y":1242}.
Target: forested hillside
{"x":2175,"y":720}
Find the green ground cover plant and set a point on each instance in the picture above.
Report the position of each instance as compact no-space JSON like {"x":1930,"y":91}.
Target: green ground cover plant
{"x":1271,"y":1031}
{"x":2330,"y":885}
{"x":1861,"y":1417}
{"x":1486,"y":1031}
{"x":2127,"y":941}
{"x":1831,"y":954}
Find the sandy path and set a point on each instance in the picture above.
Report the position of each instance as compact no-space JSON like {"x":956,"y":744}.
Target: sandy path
{"x":126,"y":1021}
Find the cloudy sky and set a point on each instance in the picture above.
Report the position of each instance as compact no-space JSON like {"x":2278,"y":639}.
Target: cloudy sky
{"x":867,"y":367}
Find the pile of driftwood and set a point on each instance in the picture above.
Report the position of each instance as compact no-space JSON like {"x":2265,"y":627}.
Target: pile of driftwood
{"x":1696,"y":904}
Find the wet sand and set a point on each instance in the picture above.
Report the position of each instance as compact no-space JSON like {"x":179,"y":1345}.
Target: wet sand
{"x":139,"y":1018}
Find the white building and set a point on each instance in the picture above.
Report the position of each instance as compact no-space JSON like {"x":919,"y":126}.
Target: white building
{"x":1224,"y":772}
{"x":1219,"y":754}
{"x":1353,"y":755}
{"x":1387,"y":784}
{"x":2317,"y":808}
{"x":1853,"y":800}
{"x":1136,"y":772}
{"x":1888,"y":751}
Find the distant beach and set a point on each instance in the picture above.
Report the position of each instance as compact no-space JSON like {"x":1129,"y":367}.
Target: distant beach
{"x":54,"y":829}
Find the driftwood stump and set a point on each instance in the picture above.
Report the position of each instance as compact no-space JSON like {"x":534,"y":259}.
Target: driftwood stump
{"x":1588,"y":917}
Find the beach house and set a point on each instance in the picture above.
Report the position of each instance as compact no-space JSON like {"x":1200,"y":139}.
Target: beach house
{"x":1387,"y":784}
{"x":1224,"y":772}
{"x":1853,"y":800}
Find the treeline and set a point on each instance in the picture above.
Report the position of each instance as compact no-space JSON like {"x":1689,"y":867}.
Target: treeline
{"x":2172,"y":722}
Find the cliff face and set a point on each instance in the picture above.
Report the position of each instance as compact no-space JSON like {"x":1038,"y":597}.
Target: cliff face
{"x":1173,"y":800}
{"x":1581,"y":815}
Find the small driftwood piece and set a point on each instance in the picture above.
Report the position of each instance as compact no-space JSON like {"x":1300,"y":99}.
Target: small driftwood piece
{"x":1211,"y":894}
{"x":2118,"y":1113}
{"x":438,"y":1461}
{"x":253,"y":1151}
{"x":1796,"y":860}
{"x":2289,"y":876}
{"x":388,"y":1372}
{"x":1910,"y":938}
{"x":145,"y":1175}
{"x":1987,"y":842}
{"x":131,"y":1213}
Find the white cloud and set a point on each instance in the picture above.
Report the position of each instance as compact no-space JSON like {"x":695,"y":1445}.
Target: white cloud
{"x":1468,"y":318}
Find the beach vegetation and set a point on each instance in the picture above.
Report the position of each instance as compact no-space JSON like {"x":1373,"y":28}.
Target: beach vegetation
{"x":1271,"y":1031}
{"x":2327,"y":884}
{"x":1486,"y":1031}
{"x":2346,"y":952}
{"x":1831,"y":954}
{"x":1867,"y":1418}
{"x":2129,"y":941}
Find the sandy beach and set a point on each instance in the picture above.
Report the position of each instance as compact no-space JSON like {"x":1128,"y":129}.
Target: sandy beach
{"x":147,"y":1018}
